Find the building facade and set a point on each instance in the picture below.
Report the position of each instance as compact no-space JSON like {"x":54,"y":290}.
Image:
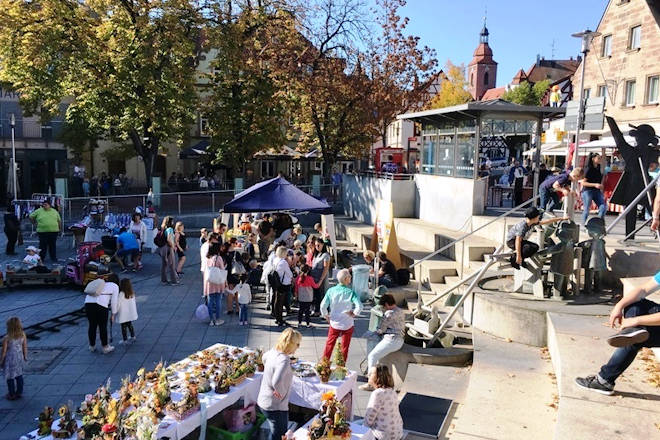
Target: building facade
{"x":624,"y":62}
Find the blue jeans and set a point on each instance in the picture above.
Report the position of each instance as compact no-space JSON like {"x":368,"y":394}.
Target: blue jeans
{"x":549,"y":200}
{"x":597,"y":197}
{"x":242,"y":312}
{"x":15,"y":389}
{"x":215,"y":306}
{"x":624,"y":356}
{"x":278,"y":422}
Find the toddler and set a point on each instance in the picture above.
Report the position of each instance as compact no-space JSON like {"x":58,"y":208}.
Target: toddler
{"x":124,"y":310}
{"x":32,"y":259}
{"x":14,"y":356}
{"x":244,"y":293}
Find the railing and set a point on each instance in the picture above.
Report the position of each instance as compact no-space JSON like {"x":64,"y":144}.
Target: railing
{"x":388,"y":176}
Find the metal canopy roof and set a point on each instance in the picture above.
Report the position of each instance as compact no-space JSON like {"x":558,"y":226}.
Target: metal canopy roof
{"x":494,"y":109}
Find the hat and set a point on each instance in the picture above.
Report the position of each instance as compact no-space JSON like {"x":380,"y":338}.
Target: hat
{"x":33,"y":249}
{"x":95,"y":287}
{"x":532,"y":212}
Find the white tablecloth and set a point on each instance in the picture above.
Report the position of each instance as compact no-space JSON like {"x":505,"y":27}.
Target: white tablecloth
{"x":34,"y":435}
{"x":358,"y":432}
{"x":92,"y":234}
{"x":306,"y":392}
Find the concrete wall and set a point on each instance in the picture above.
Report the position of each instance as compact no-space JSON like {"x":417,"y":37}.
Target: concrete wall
{"x":445,"y":201}
{"x":361,"y":195}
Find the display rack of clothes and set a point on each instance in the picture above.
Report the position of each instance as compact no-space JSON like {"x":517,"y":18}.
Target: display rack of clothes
{"x":56,"y":200}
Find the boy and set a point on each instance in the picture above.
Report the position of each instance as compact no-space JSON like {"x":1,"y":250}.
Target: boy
{"x":516,"y":238}
{"x":549,"y":188}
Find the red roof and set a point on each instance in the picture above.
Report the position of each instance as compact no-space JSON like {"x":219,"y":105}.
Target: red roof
{"x":520,"y":77}
{"x":483,"y":54}
{"x":554,"y":70}
{"x":494,"y":93}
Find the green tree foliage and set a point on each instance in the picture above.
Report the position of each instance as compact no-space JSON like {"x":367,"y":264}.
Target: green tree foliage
{"x":126,"y":65}
{"x":244,"y":105}
{"x":453,"y":88}
{"x":526,"y":94}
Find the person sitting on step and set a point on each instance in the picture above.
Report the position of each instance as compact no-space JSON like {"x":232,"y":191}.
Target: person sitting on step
{"x":516,"y":238}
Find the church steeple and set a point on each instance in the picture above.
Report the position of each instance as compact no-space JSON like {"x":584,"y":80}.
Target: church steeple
{"x":482,"y":70}
{"x":483,"y":36}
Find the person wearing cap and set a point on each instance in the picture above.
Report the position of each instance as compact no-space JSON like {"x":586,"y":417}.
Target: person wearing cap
{"x":49,"y":224}
{"x":516,"y":238}
{"x":558,"y":183}
{"x":32,"y":259}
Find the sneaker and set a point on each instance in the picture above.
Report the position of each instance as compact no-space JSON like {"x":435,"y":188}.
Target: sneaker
{"x":219,"y":322}
{"x":515,"y":265}
{"x":592,"y":383}
{"x":628,"y":336}
{"x":108,"y":349}
{"x":131,"y":339}
{"x":124,"y":270}
{"x":175,"y":283}
{"x":366,"y":387}
{"x":165,"y":283}
{"x":122,"y":342}
{"x":92,"y":348}
{"x":212,"y":324}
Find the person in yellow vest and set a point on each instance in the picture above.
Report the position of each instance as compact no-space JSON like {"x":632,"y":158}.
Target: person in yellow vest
{"x":555,"y":96}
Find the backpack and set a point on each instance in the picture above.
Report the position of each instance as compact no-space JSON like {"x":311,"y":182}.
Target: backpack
{"x":402,"y":277}
{"x":274,"y":280}
{"x":160,"y":239}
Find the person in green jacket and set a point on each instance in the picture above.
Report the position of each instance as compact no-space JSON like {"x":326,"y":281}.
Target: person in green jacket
{"x":49,"y":224}
{"x":339,"y":307}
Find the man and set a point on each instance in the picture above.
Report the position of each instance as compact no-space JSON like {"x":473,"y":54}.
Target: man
{"x":640,"y":327}
{"x":339,"y":307}
{"x":266,"y":236}
{"x":127,"y":246}
{"x":49,"y":224}
{"x":386,"y":271}
{"x":518,"y":178}
{"x":559,"y":183}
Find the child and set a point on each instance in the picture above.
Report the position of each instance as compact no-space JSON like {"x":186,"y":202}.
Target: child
{"x":181,"y":246}
{"x":124,"y":310}
{"x":305,"y":286}
{"x":203,"y":236}
{"x":516,"y":238}
{"x":244,"y":299}
{"x":32,"y":259}
{"x":13,"y":358}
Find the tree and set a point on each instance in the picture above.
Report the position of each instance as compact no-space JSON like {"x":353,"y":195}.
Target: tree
{"x":399,"y":69}
{"x":127,"y":65}
{"x":526,"y":94}
{"x":453,"y":88}
{"x":245,"y":107}
{"x":78,"y":136}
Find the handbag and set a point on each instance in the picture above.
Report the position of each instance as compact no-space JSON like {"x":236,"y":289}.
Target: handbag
{"x":237,"y":267}
{"x":202,"y":310}
{"x":215,"y":275}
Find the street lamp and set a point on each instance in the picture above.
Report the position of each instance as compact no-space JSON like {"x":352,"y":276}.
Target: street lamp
{"x":587,"y":37}
{"x":12,"y":124}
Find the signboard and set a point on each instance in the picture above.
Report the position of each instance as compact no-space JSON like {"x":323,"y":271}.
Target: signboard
{"x":385,"y":232}
{"x":594,"y":118}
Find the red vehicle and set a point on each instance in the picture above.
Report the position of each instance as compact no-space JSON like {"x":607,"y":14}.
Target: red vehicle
{"x":389,"y":156}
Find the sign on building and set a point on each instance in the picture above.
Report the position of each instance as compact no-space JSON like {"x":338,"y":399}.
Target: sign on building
{"x":593,"y":118}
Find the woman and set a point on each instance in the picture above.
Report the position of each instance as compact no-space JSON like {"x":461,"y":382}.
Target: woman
{"x":12,"y":228}
{"x":320,"y":267}
{"x":386,"y":271}
{"x":97,"y":303}
{"x":139,"y":229}
{"x":382,"y":414}
{"x":276,"y":382}
{"x":212,"y":291}
{"x":181,"y":246}
{"x":391,"y":329}
{"x":591,"y":188}
{"x":166,"y":252}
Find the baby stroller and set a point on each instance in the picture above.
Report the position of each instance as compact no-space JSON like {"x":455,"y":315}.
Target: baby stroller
{"x":86,"y":266}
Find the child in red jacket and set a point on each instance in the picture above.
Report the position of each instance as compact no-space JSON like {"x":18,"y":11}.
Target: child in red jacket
{"x":304,"y":292}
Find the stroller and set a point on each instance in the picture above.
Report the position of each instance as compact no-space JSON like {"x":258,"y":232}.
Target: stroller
{"x":86,"y":266}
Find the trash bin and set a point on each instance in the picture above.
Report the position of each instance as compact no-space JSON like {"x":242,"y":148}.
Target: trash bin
{"x":361,"y":281}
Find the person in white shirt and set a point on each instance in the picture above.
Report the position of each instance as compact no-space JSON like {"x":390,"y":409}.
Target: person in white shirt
{"x":283,"y":269}
{"x":32,"y":259}
{"x":97,"y":302}
{"x":244,"y":293}
{"x":124,"y":310}
{"x":339,"y":307}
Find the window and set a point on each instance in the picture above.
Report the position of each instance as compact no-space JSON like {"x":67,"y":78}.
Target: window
{"x":606,"y":49}
{"x":635,"y":39}
{"x":203,"y":126}
{"x":652,"y":88}
{"x":472,"y":79}
{"x":445,"y":156}
{"x":586,"y":93}
{"x":630,"y":93}
{"x":486,"y":78}
{"x":428,"y":155}
{"x":602,"y":90}
{"x":267,"y":168}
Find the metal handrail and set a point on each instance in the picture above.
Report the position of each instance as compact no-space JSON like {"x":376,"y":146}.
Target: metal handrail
{"x":468,"y":234}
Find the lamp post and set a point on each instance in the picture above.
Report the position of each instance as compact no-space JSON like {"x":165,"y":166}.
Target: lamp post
{"x":12,"y":124}
{"x":587,"y":37}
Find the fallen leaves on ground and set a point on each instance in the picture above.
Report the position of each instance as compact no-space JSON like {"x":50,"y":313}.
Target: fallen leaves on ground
{"x":651,"y":366}
{"x":555,"y":401}
{"x":545,"y":353}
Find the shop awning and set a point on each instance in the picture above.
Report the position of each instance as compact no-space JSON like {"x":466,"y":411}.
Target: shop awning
{"x":195,"y":151}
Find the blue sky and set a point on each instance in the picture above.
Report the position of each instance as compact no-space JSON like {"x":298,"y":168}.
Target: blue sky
{"x":518,"y":29}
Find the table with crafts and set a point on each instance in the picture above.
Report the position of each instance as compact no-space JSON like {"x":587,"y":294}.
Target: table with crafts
{"x":358,"y":432}
{"x":305,"y":392}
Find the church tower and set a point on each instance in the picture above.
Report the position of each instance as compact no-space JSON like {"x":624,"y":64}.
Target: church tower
{"x":482,"y":70}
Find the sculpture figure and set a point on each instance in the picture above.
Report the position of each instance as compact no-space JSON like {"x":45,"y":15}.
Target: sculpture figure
{"x":594,"y":257}
{"x":563,"y":257}
{"x":637,"y":161}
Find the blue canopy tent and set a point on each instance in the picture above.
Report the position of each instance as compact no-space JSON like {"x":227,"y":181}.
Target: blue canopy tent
{"x":275,"y":195}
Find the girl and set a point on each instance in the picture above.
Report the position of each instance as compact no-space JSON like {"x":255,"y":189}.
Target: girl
{"x":181,"y":246}
{"x":14,"y":356}
{"x":124,"y":310}
{"x":591,"y":188}
{"x":382,"y":414}
{"x":166,"y":252}
{"x":139,"y":229}
{"x":212,"y":291}
{"x":244,"y":293}
{"x":305,"y":286}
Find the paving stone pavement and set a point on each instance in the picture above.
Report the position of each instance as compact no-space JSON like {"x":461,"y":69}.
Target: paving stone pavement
{"x":166,"y":330}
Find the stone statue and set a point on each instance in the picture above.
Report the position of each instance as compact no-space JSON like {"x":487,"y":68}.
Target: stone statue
{"x":594,"y":257}
{"x":632,"y":179}
{"x":563,"y":257}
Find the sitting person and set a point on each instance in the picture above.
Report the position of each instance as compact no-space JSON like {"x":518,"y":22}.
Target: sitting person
{"x":382,"y":414}
{"x":127,"y":246}
{"x":392,"y":328}
{"x":32,"y":260}
{"x":640,"y":327}
{"x":386,"y":271}
{"x":516,"y":238}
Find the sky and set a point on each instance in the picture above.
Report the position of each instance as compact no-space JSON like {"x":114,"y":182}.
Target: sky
{"x":519,"y":30}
